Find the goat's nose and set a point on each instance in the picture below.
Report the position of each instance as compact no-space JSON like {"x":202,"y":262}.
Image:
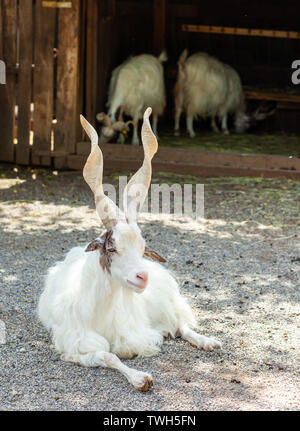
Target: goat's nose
{"x":142,"y":276}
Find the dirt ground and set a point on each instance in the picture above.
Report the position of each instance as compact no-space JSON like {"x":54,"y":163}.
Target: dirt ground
{"x":239,"y":268}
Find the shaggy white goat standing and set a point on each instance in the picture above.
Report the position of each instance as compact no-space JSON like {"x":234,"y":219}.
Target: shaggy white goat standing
{"x":136,"y":84}
{"x":105,"y":301}
{"x":206,"y":87}
{"x":200,"y":88}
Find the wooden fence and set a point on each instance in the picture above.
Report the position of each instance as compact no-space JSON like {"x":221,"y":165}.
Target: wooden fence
{"x":40,"y":45}
{"x":59,"y":56}
{"x":55,"y":52}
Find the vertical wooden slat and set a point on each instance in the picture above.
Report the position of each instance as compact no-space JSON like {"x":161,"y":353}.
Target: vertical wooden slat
{"x":106,"y":26}
{"x":43,"y":81}
{"x":67,"y":81}
{"x":24,"y":81}
{"x":159,"y":26}
{"x":1,"y":32}
{"x":81,"y":69}
{"x":91,"y":60}
{"x":7,"y":91}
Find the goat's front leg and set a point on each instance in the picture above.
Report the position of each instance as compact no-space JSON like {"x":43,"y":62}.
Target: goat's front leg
{"x":224,"y":125}
{"x":140,"y":380}
{"x":154,"y":124}
{"x":135,"y":138}
{"x":189,"y":125}
{"x":197,"y":340}
{"x":214,"y":124}
{"x":178,"y":111}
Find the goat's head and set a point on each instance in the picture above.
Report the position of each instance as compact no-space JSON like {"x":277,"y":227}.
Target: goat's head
{"x":121,"y":246}
{"x":110,"y":131}
{"x":245,"y":121}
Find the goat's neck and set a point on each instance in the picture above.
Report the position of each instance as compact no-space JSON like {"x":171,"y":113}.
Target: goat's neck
{"x":115,"y":293}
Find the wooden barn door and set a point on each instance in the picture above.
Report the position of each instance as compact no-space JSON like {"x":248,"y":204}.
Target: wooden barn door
{"x":8,"y":54}
{"x":39,"y":105}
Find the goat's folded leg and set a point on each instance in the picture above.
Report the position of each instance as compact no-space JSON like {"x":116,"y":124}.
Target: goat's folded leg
{"x":140,"y":380}
{"x":197,"y":340}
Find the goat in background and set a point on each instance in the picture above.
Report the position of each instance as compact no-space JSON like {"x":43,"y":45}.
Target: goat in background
{"x":105,"y":301}
{"x":206,"y":87}
{"x":136,"y":84}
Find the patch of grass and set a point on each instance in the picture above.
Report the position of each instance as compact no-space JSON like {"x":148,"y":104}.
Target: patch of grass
{"x":279,"y":144}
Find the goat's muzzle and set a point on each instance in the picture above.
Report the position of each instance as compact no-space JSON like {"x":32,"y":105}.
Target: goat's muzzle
{"x":140,"y":282}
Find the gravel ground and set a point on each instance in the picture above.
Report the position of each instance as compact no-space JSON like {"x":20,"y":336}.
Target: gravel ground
{"x":239,"y":269}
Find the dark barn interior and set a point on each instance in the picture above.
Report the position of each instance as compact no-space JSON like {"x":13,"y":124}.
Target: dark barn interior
{"x":127,"y":28}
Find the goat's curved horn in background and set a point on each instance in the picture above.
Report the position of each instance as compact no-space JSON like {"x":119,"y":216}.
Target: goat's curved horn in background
{"x":183,"y":57}
{"x":128,"y":123}
{"x":137,"y":188}
{"x":104,"y":119}
{"x":107,"y":210}
{"x":259,"y":115}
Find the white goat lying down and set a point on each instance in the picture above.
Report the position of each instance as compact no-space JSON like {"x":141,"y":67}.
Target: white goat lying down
{"x":105,"y":301}
{"x":136,"y":84}
{"x":206,"y":87}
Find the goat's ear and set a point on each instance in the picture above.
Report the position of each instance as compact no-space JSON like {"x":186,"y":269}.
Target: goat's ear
{"x":94,"y":245}
{"x":153,"y":255}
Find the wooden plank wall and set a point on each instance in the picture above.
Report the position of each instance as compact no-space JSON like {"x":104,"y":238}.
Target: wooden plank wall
{"x":24,"y":81}
{"x":41,"y":47}
{"x":67,"y":83}
{"x":91,"y":64}
{"x":56,"y":85}
{"x":8,"y":91}
{"x":45,"y":19}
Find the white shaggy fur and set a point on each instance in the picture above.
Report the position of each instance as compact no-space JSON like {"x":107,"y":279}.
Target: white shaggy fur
{"x":235,"y":102}
{"x":90,"y":312}
{"x":200,"y":88}
{"x":136,"y":84}
{"x":206,"y":87}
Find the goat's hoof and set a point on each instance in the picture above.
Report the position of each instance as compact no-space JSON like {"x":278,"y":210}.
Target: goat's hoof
{"x":176,"y":133}
{"x":148,"y":383}
{"x":211,"y":344}
{"x":143,"y":382}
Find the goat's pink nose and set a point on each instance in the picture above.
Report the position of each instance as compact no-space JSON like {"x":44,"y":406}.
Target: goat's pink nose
{"x":142,"y":276}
